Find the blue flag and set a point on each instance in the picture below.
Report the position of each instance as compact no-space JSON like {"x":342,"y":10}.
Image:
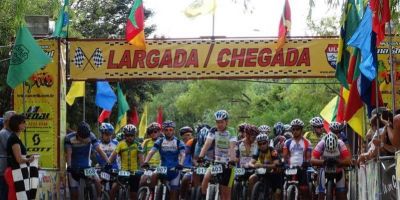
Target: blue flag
{"x":363,"y":39}
{"x":105,"y":96}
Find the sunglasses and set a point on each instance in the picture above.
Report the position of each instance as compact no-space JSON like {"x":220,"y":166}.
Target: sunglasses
{"x":296,"y":129}
{"x":262,"y":143}
{"x":318,"y":126}
{"x":129,"y":135}
{"x":169,"y":129}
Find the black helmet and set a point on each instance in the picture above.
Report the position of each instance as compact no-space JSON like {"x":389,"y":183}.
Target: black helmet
{"x":83,"y":130}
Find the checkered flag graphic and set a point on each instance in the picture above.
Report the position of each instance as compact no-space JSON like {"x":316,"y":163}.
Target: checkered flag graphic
{"x":26,"y":180}
{"x":79,"y":57}
{"x":98,"y":58}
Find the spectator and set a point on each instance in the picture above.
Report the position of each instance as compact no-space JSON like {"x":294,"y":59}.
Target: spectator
{"x":16,"y":152}
{"x":4,"y":134}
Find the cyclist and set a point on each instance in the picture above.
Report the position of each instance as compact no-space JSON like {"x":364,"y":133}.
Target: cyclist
{"x":172,"y":153}
{"x":201,"y":136}
{"x":279,"y":139}
{"x":153,"y":134}
{"x":131,"y":154}
{"x":78,"y":146}
{"x":186,"y":134}
{"x":241,"y":128}
{"x":107,"y":144}
{"x":266,"y":130}
{"x":224,"y":142}
{"x":247,"y":147}
{"x":331,"y":151}
{"x":317,"y":133}
{"x":264,"y":158}
{"x":297,"y":153}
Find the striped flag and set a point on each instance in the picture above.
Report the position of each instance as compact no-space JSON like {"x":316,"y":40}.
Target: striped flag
{"x":135,"y":26}
{"x":284,"y":25}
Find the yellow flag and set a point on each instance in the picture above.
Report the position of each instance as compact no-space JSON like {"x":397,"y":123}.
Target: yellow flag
{"x":329,"y":110}
{"x":121,"y":123}
{"x":199,"y":7}
{"x":143,"y":123}
{"x":77,"y":90}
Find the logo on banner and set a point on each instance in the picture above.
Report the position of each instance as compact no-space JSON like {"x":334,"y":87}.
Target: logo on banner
{"x":33,"y":113}
{"x":36,"y":139}
{"x":80,"y":58}
{"x":39,"y":80}
{"x":331,"y":52}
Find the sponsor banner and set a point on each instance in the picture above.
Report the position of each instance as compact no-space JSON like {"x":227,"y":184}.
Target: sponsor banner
{"x":41,"y":108}
{"x":388,"y":175}
{"x":201,"y":59}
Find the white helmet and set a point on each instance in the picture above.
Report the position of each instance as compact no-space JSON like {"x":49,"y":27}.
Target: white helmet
{"x":221,"y":115}
{"x":129,"y":129}
{"x":297,"y":122}
{"x":264,"y":129}
{"x":335,"y":126}
{"x":331,"y":143}
{"x":262,"y":137}
{"x":317,"y":122}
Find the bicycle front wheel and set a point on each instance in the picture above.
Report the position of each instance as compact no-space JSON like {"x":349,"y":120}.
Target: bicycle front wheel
{"x":292,"y":193}
{"x":144,"y":193}
{"x":329,"y":190}
{"x":212,"y":192}
{"x":258,"y":192}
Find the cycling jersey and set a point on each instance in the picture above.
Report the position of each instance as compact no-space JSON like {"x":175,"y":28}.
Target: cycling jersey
{"x":81,"y":150}
{"x":201,"y":138}
{"x":129,"y":155}
{"x":264,"y":157}
{"x":342,"y":151}
{"x":222,"y":144}
{"x":188,"y":154}
{"x":313,"y":137}
{"x":245,"y":155}
{"x":147,"y":145}
{"x":107,"y":149}
{"x":297,"y":150}
{"x":169,"y":151}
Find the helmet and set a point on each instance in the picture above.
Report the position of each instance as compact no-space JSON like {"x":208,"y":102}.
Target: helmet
{"x":168,"y":124}
{"x":279,"y":129}
{"x":153,"y":127}
{"x":221,"y":115}
{"x":83,"y":130}
{"x":106,"y":128}
{"x":262,"y":138}
{"x":201,"y":126}
{"x":331,"y":143}
{"x":202,"y":135}
{"x":241,"y":127}
{"x":185,"y":129}
{"x":287,"y":127}
{"x":129,"y":129}
{"x":288,"y":135}
{"x":251,"y":129}
{"x":317,"y":122}
{"x":264,"y":129}
{"x":297,"y":122}
{"x":335,"y":126}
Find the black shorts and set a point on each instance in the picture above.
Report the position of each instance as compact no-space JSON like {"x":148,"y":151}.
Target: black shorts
{"x":226,"y":176}
{"x":134,"y":182}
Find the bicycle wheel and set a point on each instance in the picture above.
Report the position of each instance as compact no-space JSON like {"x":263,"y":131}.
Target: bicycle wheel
{"x":123,"y":193}
{"x":192,"y":195}
{"x":159,"y":192}
{"x":291,"y":192}
{"x":211,"y":192}
{"x":237,"y":191}
{"x":198,"y":193}
{"x":258,"y":192}
{"x":244,"y":192}
{"x":104,"y":195}
{"x":329,"y":190}
{"x":144,"y":193}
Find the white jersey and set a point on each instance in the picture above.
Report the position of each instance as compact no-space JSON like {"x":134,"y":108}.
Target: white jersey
{"x":297,"y":150}
{"x":245,"y":155}
{"x":222,"y":144}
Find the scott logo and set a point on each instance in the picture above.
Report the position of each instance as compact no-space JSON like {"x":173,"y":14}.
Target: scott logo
{"x":36,"y":139}
{"x":331,"y":52}
{"x":33,"y":113}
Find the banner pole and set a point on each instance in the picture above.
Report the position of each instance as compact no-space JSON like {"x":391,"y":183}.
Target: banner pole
{"x":392,"y":77}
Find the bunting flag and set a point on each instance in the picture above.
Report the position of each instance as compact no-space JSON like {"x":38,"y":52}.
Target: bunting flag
{"x":123,"y":108}
{"x":105,"y":96}
{"x":284,"y":25}
{"x":105,"y":114}
{"x":27,"y":57}
{"x":77,"y":90}
{"x":160,"y":116}
{"x":134,"y":117}
{"x":351,"y":17}
{"x":143,"y":123}
{"x":200,"y":7}
{"x":135,"y":26}
{"x":329,"y":111}
{"x":381,"y":15}
{"x":62,"y":21}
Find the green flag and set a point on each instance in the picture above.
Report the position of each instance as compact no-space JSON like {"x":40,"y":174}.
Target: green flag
{"x":62,"y":21}
{"x":27,"y":58}
{"x":123,"y":106}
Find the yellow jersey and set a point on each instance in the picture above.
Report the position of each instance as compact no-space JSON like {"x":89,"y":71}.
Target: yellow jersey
{"x":147,"y":145}
{"x":129,"y":155}
{"x":313,"y":138}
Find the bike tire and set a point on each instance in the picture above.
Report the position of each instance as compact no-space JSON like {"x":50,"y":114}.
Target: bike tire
{"x":104,"y":195}
{"x":291,"y":192}
{"x":329,"y":190}
{"x":244,"y":192}
{"x":123,"y":193}
{"x":143,"y":193}
{"x":192,"y":195}
{"x":91,"y":192}
{"x":211,"y":192}
{"x":198,"y":193}
{"x":158,"y":194}
{"x":236,"y":191}
{"x":258,"y":192}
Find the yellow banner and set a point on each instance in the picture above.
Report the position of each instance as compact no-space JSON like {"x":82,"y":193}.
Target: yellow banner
{"x":41,"y":109}
{"x":202,"y":59}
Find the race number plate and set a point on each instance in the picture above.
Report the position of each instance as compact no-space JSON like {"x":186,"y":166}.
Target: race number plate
{"x":161,"y":170}
{"x":201,"y":170}
{"x":105,"y":176}
{"x":124,"y":173}
{"x":239,"y":171}
{"x":330,"y":170}
{"x":89,"y":172}
{"x":261,"y":171}
{"x":216,"y":169}
{"x":291,"y":171}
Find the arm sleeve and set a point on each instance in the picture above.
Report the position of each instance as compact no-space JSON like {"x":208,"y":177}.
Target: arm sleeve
{"x":344,"y":152}
{"x":94,"y":140}
{"x":157,"y":145}
{"x":318,"y":149}
{"x":118,"y":148}
{"x":211,"y":135}
{"x":67,"y":142}
{"x":140,"y":148}
{"x":181,"y":146}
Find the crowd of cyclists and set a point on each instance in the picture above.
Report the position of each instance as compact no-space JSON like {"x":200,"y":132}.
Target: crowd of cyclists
{"x":279,"y":156}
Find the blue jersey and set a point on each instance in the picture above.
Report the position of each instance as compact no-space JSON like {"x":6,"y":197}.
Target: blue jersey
{"x":201,"y":139}
{"x":169,"y":151}
{"x":107,"y":149}
{"x":81,"y":150}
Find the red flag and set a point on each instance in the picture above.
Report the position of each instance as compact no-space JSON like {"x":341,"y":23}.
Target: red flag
{"x":135,"y":26}
{"x":159,"y":116}
{"x":134,"y":117}
{"x":103,"y":115}
{"x":340,"y":107}
{"x":381,"y":15}
{"x":284,"y":25}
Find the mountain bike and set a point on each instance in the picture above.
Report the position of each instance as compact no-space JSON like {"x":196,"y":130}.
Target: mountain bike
{"x":262,"y":188}
{"x":213,"y":192}
{"x":331,"y":175}
{"x":241,"y":185}
{"x":291,"y":185}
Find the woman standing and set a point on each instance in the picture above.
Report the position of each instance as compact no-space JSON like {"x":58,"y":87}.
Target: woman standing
{"x":16,"y":152}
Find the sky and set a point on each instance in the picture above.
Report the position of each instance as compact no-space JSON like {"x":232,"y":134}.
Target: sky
{"x":231,"y":19}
